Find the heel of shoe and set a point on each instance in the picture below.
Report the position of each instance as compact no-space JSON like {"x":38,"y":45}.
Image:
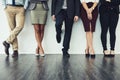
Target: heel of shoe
{"x":112,"y":53}
{"x":106,"y":53}
{"x":87,"y":53}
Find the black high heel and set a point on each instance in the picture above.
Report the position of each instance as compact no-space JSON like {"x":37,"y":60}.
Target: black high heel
{"x":92,"y":55}
{"x":87,"y":53}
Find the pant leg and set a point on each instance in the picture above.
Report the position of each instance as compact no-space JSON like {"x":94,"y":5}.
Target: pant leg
{"x":104,"y":21}
{"x":68,"y":31}
{"x":12,"y":24}
{"x":113,"y":24}
{"x":59,"y":22}
{"x":19,"y":19}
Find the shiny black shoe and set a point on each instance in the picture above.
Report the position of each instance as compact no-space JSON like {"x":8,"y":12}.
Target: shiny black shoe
{"x":87,"y":55}
{"x":7,"y":46}
{"x":92,"y":56}
{"x":15,"y":54}
{"x":58,"y":37}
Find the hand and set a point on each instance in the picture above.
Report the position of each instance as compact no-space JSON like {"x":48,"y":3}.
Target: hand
{"x":76,"y":18}
{"x":89,"y":11}
{"x":53,"y":17}
{"x":89,"y":16}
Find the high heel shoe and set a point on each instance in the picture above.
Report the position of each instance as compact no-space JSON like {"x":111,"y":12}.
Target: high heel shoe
{"x":106,"y":53}
{"x":112,"y":53}
{"x":92,"y":55}
{"x":42,"y":54}
{"x":87,"y":53}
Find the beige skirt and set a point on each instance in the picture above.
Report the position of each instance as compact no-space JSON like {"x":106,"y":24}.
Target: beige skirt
{"x":39,"y":15}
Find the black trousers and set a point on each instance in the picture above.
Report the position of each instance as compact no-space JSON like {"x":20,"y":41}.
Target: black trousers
{"x":109,"y":22}
{"x":60,"y":18}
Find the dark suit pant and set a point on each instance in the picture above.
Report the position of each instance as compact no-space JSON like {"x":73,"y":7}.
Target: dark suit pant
{"x":60,"y":18}
{"x":109,"y":22}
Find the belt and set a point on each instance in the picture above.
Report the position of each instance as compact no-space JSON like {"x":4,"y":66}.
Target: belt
{"x":15,"y":5}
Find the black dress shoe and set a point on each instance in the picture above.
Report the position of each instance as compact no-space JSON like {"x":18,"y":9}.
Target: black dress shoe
{"x":66,"y":54}
{"x":7,"y":46}
{"x":58,"y":37}
{"x":15,"y":54}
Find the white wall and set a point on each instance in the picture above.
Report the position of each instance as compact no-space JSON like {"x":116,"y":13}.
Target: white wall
{"x":27,"y":42}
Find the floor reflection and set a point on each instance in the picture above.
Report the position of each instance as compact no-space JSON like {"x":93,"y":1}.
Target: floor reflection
{"x":66,"y":69}
{"x":89,"y":69}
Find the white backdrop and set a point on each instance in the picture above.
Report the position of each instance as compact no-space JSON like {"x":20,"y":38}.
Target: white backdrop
{"x":27,"y":42}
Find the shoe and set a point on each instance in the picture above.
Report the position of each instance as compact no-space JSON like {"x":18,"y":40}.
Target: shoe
{"x":58,"y":37}
{"x":112,"y":53}
{"x":92,"y":55}
{"x":106,"y":53}
{"x":37,"y":55}
{"x":42,"y":54}
{"x":7,"y":46}
{"x":87,"y":53}
{"x":15,"y":54}
{"x":66,"y":54}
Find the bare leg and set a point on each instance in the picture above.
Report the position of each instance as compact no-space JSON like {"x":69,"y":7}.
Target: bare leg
{"x":87,"y":43}
{"x":91,"y":41}
{"x":41,"y":36}
{"x":89,"y":37}
{"x":37,"y":36}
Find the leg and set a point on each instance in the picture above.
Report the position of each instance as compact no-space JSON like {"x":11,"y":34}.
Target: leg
{"x":91,"y":40}
{"x":42,"y":26}
{"x":104,"y":20}
{"x":87,"y":42}
{"x":58,"y":25}
{"x":41,"y":36}
{"x":37,"y":36}
{"x":112,"y":29}
{"x":11,"y":21}
{"x":89,"y":37}
{"x":68,"y":31}
{"x":19,"y":18}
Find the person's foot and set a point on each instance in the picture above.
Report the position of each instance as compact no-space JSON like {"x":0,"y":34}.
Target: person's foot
{"x":41,"y":52}
{"x":66,"y":54}
{"x":15,"y":53}
{"x":106,"y":53}
{"x":112,"y":53}
{"x":7,"y":46}
{"x":58,"y":37}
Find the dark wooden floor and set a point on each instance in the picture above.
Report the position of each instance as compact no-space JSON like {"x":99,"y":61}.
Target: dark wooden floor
{"x":55,"y":67}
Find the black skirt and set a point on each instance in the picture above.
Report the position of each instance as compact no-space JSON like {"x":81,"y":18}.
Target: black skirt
{"x":86,"y":21}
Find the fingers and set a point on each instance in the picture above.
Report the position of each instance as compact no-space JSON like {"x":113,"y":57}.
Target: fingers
{"x":76,"y":18}
{"x":53,"y":17}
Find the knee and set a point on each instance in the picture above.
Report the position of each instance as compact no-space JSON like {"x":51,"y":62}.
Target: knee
{"x":58,"y":25}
